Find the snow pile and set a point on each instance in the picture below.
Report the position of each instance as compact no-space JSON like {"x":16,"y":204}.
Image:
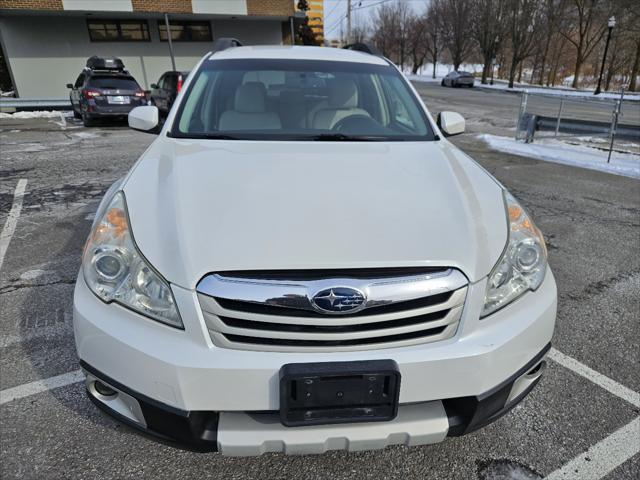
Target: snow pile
{"x":37,"y":114}
{"x":555,"y":151}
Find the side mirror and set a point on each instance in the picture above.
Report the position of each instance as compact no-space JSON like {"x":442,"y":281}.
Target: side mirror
{"x":154,"y":85}
{"x":451,"y":123}
{"x":146,"y":119}
{"x":69,"y":85}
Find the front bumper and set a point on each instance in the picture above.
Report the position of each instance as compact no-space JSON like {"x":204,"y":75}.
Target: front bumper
{"x":244,"y":433}
{"x":225,"y":399}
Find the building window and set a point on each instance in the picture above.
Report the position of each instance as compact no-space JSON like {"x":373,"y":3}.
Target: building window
{"x":182,"y":31}
{"x":118,"y":30}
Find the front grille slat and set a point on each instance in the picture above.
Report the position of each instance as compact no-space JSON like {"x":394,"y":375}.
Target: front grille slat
{"x":329,"y":343}
{"x":249,"y":307}
{"x":272,"y":311}
{"x":359,"y":327}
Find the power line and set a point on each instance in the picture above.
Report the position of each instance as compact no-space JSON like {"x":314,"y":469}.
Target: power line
{"x":335,"y":25}
{"x":371,"y":5}
{"x":334,"y":8}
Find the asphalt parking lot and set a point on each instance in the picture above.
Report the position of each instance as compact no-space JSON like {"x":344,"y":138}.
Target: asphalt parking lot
{"x":581,"y":420}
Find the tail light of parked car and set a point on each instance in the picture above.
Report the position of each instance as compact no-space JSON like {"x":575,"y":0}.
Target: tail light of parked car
{"x":140,"y":94}
{"x":179,"y":86}
{"x":88,"y":94}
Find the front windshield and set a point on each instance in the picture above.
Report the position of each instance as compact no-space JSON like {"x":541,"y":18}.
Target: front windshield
{"x":272,"y":99}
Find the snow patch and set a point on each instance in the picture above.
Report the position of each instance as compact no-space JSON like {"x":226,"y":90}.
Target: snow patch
{"x":33,"y":274}
{"x":37,"y":114}
{"x":85,"y":135}
{"x":556,"y":151}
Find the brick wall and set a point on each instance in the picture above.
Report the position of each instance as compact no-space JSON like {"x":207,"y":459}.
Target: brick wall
{"x":32,"y":4}
{"x":270,"y":7}
{"x":162,"y":6}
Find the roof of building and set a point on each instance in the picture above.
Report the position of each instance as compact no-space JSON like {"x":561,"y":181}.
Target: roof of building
{"x":298,"y":53}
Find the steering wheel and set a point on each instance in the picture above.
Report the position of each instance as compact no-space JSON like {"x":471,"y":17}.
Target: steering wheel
{"x":340,"y":125}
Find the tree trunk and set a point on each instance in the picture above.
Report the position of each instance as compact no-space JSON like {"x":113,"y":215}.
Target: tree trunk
{"x":545,"y":54}
{"x":577,"y":69}
{"x":520,"y":72}
{"x":435,"y":61}
{"x":611,"y":70}
{"x":633,"y":86}
{"x":512,"y":72}
{"x":486,"y":67}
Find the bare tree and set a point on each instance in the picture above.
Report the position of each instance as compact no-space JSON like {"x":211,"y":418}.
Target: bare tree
{"x":435,"y":38}
{"x":455,"y":25}
{"x":583,"y":23}
{"x":548,"y":34}
{"x":404,"y":16}
{"x":384,"y":30}
{"x":418,"y":41}
{"x":523,"y":19}
{"x":488,"y":29}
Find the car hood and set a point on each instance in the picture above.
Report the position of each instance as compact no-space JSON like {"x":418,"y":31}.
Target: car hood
{"x":201,"y":206}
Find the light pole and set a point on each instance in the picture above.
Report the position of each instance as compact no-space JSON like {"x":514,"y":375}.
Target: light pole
{"x":611,"y":24}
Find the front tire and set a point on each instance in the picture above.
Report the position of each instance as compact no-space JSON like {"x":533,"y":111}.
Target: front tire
{"x":442,"y":83}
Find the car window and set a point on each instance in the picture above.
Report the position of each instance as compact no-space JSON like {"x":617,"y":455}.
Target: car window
{"x":79,"y":81}
{"x":299,"y":100}
{"x":115,"y":83}
{"x":161,"y":81}
{"x":399,"y":107}
{"x":170,"y":81}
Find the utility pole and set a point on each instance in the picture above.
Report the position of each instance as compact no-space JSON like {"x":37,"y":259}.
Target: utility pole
{"x":166,"y":25}
{"x":348,"y":22}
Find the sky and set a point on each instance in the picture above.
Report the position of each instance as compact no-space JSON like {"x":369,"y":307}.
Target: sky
{"x":335,"y":13}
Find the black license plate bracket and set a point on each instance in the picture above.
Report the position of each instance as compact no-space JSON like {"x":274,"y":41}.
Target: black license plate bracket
{"x":339,"y":392}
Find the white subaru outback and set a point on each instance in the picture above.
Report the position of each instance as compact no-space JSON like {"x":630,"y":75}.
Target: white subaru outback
{"x":302,"y":262}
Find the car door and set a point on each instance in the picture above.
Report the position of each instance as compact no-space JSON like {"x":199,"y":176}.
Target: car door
{"x":156,"y":93}
{"x":170,"y":87}
{"x":76,"y":91}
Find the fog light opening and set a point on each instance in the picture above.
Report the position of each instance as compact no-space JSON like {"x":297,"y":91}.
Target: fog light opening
{"x":537,"y":369}
{"x":104,"y":390}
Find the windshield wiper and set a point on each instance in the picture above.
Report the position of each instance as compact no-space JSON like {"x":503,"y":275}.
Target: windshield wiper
{"x":219,"y":136}
{"x":341,"y":137}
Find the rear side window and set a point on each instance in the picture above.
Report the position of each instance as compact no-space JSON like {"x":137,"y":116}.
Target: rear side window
{"x":170,"y":82}
{"x":115,"y":83}
{"x":79,"y":81}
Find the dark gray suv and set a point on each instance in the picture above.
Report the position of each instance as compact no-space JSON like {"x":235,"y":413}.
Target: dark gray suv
{"x":105,"y":92}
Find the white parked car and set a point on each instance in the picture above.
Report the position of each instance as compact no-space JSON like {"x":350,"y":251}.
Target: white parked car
{"x":301,"y":262}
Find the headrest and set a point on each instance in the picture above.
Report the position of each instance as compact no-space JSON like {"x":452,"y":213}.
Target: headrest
{"x":250,"y":98}
{"x":343,"y":93}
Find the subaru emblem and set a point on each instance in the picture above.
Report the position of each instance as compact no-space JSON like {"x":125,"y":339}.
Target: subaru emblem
{"x":339,"y":300}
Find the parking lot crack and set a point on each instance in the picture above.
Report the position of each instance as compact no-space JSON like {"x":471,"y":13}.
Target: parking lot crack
{"x":19,"y":286}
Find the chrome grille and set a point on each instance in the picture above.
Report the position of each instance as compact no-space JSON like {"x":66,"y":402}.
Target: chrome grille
{"x":276,"y":312}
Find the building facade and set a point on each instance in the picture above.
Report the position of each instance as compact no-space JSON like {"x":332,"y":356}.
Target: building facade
{"x":316,"y":18}
{"x":46,"y":42}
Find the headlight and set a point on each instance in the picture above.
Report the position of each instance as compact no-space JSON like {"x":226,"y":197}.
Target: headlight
{"x":115,"y":270}
{"x":523,"y":264}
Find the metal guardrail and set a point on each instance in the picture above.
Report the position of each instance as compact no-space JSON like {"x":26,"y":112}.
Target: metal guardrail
{"x":35,"y":103}
{"x":527,"y":122}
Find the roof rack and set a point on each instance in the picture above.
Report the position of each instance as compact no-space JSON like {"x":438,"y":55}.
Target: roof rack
{"x":223,"y":43}
{"x":364,"y":47}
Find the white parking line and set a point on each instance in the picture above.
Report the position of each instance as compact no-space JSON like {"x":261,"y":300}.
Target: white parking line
{"x":602,"y":381}
{"x":21,"y":391}
{"x":603,"y":457}
{"x":612,"y":451}
{"x":12,"y":219}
